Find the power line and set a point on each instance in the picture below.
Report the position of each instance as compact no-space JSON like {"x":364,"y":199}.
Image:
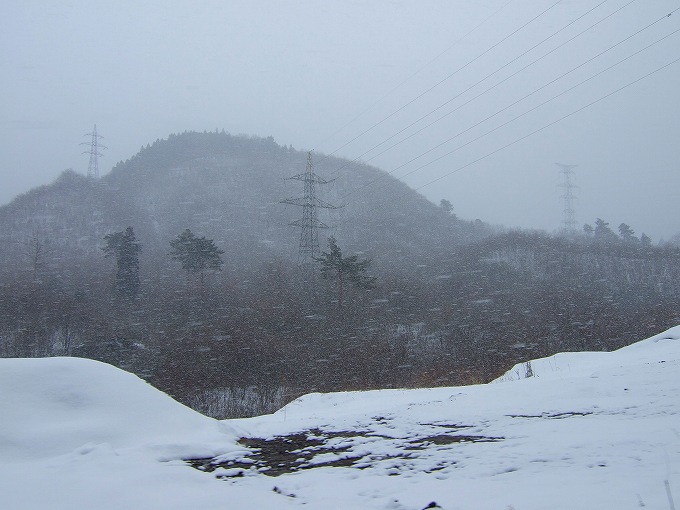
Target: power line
{"x":492,"y":87}
{"x":543,"y":127}
{"x":399,"y":85}
{"x":443,"y":80}
{"x":522,"y":114}
{"x":528,"y":95}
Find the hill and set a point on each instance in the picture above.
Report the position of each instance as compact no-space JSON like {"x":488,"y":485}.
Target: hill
{"x":227,"y":188}
{"x":587,"y":430}
{"x":455,"y":302}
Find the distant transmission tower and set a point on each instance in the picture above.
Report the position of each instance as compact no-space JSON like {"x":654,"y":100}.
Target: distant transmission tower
{"x":309,"y":223}
{"x":569,"y":225}
{"x":95,"y":146}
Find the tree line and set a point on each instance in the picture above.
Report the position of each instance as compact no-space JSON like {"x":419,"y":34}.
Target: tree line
{"x":207,"y":333}
{"x":602,"y":232}
{"x":195,"y":254}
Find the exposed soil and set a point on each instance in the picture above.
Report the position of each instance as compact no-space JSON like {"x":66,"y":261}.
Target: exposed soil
{"x":295,"y":452}
{"x":556,"y":416}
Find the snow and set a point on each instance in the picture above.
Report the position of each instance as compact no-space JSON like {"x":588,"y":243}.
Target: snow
{"x":588,"y":430}
{"x":55,"y":406}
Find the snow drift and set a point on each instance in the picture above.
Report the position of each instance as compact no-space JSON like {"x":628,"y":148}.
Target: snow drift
{"x":587,"y":430}
{"x":52,"y":406}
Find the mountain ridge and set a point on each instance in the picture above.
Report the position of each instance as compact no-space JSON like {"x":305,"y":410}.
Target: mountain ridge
{"x":228,"y":188}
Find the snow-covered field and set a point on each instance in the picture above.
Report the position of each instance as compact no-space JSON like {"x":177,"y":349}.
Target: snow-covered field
{"x":587,"y":431}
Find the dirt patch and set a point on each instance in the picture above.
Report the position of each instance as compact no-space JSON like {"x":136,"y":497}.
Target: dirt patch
{"x":296,"y":452}
{"x":556,"y":416}
{"x":444,"y":439}
{"x":283,"y":454}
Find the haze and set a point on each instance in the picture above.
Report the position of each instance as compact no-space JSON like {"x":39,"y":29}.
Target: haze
{"x":317,"y":75}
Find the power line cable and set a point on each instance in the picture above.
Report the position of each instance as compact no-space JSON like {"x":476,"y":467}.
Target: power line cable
{"x":526,"y":96}
{"x":417,"y":71}
{"x":441,"y":81}
{"x":543,"y":127}
{"x":490,"y":88}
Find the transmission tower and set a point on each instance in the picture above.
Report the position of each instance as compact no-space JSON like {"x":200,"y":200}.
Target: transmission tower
{"x":309,"y":223}
{"x":569,"y":225}
{"x":95,"y":147}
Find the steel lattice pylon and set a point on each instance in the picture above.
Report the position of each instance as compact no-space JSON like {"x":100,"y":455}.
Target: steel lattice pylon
{"x":569,"y":214}
{"x":309,"y":223}
{"x":95,"y":146}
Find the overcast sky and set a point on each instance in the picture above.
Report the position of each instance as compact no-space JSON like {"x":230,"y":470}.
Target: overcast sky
{"x":319,"y":73}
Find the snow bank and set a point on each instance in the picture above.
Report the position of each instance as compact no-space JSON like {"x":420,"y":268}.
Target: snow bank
{"x":52,"y":406}
{"x":590,"y":430}
{"x":578,"y":364}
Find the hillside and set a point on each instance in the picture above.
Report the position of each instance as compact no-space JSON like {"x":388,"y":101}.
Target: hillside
{"x":227,"y":188}
{"x":454,"y":301}
{"x":586,"y":430}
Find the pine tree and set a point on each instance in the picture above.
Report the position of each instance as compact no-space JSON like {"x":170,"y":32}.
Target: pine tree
{"x":344,"y":269}
{"x":124,"y":247}
{"x":196,"y":254}
{"x":446,"y":206}
{"x":602,"y":231}
{"x":627,"y":234}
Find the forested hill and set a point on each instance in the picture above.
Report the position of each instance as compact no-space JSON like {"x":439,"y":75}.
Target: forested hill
{"x":451,"y":301}
{"x":227,"y":188}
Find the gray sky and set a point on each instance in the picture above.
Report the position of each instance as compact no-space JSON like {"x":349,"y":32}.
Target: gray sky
{"x":303,"y":71}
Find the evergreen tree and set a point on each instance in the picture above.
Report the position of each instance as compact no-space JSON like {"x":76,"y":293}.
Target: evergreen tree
{"x":446,"y":205}
{"x":344,"y":269}
{"x":38,"y":251}
{"x":602,"y":231}
{"x":196,"y":254}
{"x":124,"y":247}
{"x":627,"y":234}
{"x":588,"y":230}
{"x":645,"y":240}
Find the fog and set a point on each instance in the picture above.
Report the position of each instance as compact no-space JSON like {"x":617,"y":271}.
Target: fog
{"x":318,"y":75}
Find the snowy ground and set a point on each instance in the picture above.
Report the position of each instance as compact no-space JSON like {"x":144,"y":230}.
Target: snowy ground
{"x":589,"y":430}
